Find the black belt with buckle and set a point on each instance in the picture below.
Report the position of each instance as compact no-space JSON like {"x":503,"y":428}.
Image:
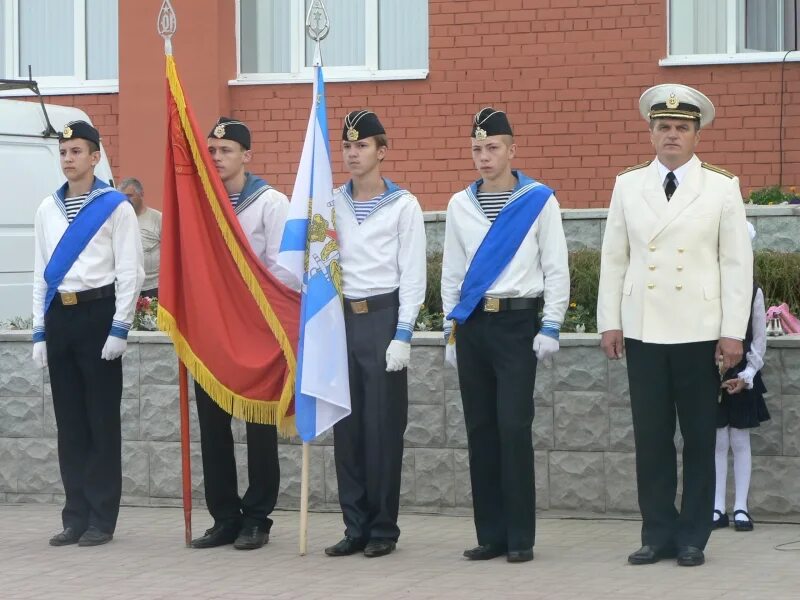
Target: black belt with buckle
{"x":373,"y":303}
{"x":73,"y":298}
{"x":493,"y":305}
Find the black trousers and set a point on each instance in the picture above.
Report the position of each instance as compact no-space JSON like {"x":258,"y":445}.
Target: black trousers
{"x":665,"y":380}
{"x":220,"y":479}
{"x":87,"y":392}
{"x":497,"y":372}
{"x":368,"y":444}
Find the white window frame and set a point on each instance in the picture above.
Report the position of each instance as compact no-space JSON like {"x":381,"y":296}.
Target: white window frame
{"x":735,"y":29}
{"x":53,"y":85}
{"x":302,"y":74}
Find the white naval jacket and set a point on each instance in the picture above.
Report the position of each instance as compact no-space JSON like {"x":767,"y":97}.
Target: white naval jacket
{"x":539,"y":268}
{"x":678,"y":271}
{"x":386,"y":252}
{"x":262,"y":217}
{"x":113,"y":255}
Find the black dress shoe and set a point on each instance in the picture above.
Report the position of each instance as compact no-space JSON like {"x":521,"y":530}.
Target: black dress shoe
{"x":689,"y":556}
{"x":94,"y":537}
{"x":251,"y":537}
{"x":518,"y":556}
{"x":66,"y":537}
{"x":218,"y":535}
{"x":647,"y":555}
{"x":346,"y":547}
{"x":485,"y":552}
{"x":722,"y":522}
{"x":379,"y":547}
{"x":745,"y":524}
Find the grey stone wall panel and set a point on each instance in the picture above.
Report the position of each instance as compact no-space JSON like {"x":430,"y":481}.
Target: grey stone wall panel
{"x":19,"y":376}
{"x":22,"y":416}
{"x":434,"y":477}
{"x":581,"y":420}
{"x":577,"y":481}
{"x":425,"y":380}
{"x":425,"y":425}
{"x":38,"y":467}
{"x":791,"y":425}
{"x":581,"y":369}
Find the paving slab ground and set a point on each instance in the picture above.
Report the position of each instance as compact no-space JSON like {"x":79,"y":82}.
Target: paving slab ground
{"x":575,"y":559}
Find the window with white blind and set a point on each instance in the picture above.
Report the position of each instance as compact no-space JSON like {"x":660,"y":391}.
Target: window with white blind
{"x":70,"y":46}
{"x":368,"y":39}
{"x":716,"y":31}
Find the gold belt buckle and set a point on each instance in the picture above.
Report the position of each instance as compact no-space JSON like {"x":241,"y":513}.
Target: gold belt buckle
{"x":69,"y":298}
{"x":359,"y":307}
{"x":491,"y":304}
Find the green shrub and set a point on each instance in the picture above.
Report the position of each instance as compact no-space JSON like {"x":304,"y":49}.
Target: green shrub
{"x":772,"y":195}
{"x":778,"y":274}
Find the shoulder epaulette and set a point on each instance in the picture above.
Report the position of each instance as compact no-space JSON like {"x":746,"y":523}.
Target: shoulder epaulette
{"x":717,"y":169}
{"x":636,"y":167}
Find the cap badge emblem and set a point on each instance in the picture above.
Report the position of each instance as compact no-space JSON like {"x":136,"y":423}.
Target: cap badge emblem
{"x":672,"y":101}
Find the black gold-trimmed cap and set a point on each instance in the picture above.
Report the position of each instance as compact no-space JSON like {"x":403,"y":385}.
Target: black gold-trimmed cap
{"x":676,"y":101}
{"x":230,"y":129}
{"x":75,"y":130}
{"x":361,"y":124}
{"x":488,"y":121}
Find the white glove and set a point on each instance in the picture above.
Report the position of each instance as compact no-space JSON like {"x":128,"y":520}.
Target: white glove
{"x":40,"y":354}
{"x":544,"y":346}
{"x":398,"y":355}
{"x":450,"y":355}
{"x":113,"y":348}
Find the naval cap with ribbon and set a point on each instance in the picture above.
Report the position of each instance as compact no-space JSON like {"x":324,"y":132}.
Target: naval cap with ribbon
{"x":230,"y":129}
{"x":360,"y":124}
{"x":79,"y":130}
{"x":676,"y":101}
{"x":488,"y":121}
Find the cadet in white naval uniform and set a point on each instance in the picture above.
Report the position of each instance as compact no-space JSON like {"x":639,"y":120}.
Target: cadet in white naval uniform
{"x":505,"y":260}
{"x":676,"y":284}
{"x":382,"y":247}
{"x":261,"y":211}
{"x":87,"y":275}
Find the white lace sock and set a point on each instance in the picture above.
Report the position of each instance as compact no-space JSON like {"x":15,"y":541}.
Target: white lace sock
{"x":742,"y":466}
{"x":721,"y":460}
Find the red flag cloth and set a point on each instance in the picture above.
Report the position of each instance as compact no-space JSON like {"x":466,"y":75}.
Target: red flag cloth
{"x":232,"y":323}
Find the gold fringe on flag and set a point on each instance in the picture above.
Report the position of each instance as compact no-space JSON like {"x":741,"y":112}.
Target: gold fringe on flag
{"x":238,"y":406}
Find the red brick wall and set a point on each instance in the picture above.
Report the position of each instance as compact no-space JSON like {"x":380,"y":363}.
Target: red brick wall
{"x":103,"y":110}
{"x":568,"y":72}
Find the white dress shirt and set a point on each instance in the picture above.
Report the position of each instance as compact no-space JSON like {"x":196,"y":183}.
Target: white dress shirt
{"x":539,"y":268}
{"x":262,"y":218}
{"x":386,"y":252}
{"x":758,"y":345}
{"x":114,"y":255}
{"x":150,"y":230}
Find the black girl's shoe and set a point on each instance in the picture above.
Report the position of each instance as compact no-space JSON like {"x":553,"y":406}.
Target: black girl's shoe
{"x":745,"y":524}
{"x":722,"y":522}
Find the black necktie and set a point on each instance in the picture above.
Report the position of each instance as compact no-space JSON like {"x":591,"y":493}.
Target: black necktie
{"x":671,"y":185}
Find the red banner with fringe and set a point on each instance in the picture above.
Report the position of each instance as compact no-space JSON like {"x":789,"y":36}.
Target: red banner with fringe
{"x":232,"y":323}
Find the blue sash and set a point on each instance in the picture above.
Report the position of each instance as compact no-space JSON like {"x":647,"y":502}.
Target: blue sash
{"x":101,"y":202}
{"x":501,"y":241}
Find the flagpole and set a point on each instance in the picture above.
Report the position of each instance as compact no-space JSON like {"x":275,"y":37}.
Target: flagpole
{"x":167,"y":24}
{"x":317,"y":28}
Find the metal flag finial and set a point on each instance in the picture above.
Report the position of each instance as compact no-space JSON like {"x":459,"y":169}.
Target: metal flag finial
{"x":318,"y":26}
{"x":167,"y":24}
